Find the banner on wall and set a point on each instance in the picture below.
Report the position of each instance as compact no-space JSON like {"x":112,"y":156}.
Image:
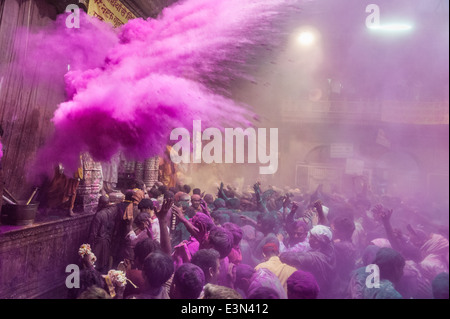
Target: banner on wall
{"x":112,"y":11}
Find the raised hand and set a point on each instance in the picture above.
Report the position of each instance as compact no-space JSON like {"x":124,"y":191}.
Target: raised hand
{"x":286,"y":201}
{"x":318,"y":205}
{"x":383,"y":214}
{"x":294,"y":207}
{"x":165,"y":208}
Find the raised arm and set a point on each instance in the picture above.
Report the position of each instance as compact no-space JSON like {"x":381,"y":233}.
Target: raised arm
{"x":221,"y":193}
{"x":323,"y":220}
{"x":191,"y":228}
{"x":261,"y":204}
{"x":163,"y":226}
{"x":384,"y":215}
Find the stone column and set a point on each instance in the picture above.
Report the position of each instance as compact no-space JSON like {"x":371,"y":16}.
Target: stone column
{"x":90,"y":185}
{"x":151,"y":171}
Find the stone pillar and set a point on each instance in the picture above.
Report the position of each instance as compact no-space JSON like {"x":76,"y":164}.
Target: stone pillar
{"x":139,"y":171}
{"x":89,"y":189}
{"x":151,"y":171}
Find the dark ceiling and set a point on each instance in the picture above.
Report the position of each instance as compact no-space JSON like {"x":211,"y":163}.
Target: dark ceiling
{"x":140,"y":8}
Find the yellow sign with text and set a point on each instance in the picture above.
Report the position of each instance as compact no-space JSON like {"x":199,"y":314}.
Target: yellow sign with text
{"x":112,"y":11}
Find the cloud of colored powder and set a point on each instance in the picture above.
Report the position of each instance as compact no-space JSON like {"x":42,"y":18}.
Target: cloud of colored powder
{"x":128,"y":88}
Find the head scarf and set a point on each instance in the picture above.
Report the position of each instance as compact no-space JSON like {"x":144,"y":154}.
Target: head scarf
{"x":322,"y":233}
{"x":203,"y":223}
{"x":381,"y":242}
{"x":138,"y":195}
{"x":136,"y":198}
{"x":270,"y":248}
{"x":437,"y":245}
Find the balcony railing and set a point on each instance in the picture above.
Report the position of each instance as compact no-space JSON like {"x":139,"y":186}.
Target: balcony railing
{"x":406,"y":112}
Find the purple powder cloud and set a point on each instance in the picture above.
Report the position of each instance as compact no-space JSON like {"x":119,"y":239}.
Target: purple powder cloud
{"x":128,"y":88}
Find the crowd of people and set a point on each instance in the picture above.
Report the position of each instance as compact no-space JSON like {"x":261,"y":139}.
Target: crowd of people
{"x":183,"y":243}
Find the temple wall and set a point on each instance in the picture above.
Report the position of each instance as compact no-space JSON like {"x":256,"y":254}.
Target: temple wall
{"x":33,"y":259}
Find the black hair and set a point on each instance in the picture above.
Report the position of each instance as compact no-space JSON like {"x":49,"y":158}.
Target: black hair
{"x":390,"y":262}
{"x":222,"y":240}
{"x":141,"y":217}
{"x":244,"y":271}
{"x":129,"y":195}
{"x":146,"y":203}
{"x":155,"y":193}
{"x":236,"y":231}
{"x":163,"y":189}
{"x":345,"y":226}
{"x":158,"y":268}
{"x":139,"y":184}
{"x":186,"y":189}
{"x":169,"y":194}
{"x":205,"y":259}
{"x":189,"y":280}
{"x":144,"y":248}
{"x":267,"y":223}
{"x":103,"y":202}
{"x":197,"y":191}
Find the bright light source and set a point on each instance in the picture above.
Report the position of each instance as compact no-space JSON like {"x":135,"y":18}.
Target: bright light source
{"x":306,"y":38}
{"x":391,"y":27}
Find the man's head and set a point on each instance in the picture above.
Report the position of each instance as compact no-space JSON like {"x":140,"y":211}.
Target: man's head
{"x":182,"y":200}
{"x":220,"y":292}
{"x":219,"y":239}
{"x":219,"y":203}
{"x":209,"y":199}
{"x":142,"y":220}
{"x":299,"y":232}
{"x":157,"y":269}
{"x":391,"y":264}
{"x":195,"y":201}
{"x":103,"y":202}
{"x":186,"y":189}
{"x":244,"y":275}
{"x":209,"y":261}
{"x":236,"y":231}
{"x":439,"y":286}
{"x":320,"y":236}
{"x":146,"y":205}
{"x":188,"y":282}
{"x":197,"y":191}
{"x":266,"y":223}
{"x":139,"y":184}
{"x":203,"y":223}
{"x":143,"y":249}
{"x":343,"y":227}
{"x":302,"y":285}
{"x":270,"y":250}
